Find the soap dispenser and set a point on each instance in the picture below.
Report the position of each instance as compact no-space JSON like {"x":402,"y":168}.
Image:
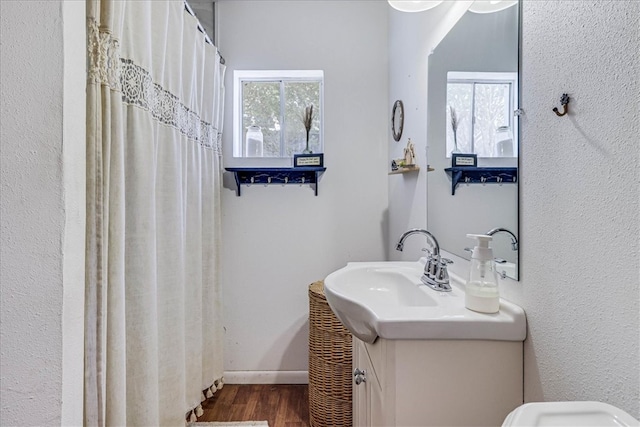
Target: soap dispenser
{"x":481,"y":293}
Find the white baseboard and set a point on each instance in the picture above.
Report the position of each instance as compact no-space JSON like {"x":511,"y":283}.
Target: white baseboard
{"x":266,"y":377}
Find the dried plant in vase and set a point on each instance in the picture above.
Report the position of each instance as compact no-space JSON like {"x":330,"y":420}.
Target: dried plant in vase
{"x":307,"y":120}
{"x":454,"y":128}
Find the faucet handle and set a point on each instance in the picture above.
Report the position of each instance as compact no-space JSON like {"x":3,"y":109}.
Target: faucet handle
{"x":435,"y":265}
{"x":442,"y":274}
{"x":431,"y":266}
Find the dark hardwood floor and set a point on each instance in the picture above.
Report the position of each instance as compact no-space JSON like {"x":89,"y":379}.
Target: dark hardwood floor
{"x":280,"y":405}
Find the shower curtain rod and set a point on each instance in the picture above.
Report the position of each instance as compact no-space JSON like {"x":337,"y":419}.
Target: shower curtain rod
{"x":201,"y":28}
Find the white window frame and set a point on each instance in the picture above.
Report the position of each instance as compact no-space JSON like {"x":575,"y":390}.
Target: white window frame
{"x":491,"y":77}
{"x":240,"y":76}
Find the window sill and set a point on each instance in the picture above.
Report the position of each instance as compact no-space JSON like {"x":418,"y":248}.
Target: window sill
{"x":258,"y":162}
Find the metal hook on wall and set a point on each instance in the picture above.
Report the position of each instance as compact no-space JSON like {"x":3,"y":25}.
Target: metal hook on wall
{"x":564,"y":101}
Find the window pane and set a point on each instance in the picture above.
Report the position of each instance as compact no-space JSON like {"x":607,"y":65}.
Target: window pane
{"x":261,"y":107}
{"x":491,"y":112}
{"x":299,"y":96}
{"x":275,"y":101}
{"x":460,"y":99}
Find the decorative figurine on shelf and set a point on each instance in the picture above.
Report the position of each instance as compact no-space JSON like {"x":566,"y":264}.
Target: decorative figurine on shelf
{"x":454,"y":128}
{"x":409,"y":155}
{"x":307,"y":120}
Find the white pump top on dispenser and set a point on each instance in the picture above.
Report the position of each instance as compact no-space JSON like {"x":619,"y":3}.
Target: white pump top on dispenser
{"x":482,"y":252}
{"x":481,"y":291}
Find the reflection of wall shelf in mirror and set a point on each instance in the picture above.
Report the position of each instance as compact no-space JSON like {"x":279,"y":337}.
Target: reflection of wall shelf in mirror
{"x":282,"y":176}
{"x":481,"y":175}
{"x":403,"y":170}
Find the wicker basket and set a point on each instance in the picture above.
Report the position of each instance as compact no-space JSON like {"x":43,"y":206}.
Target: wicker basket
{"x":330,"y":392}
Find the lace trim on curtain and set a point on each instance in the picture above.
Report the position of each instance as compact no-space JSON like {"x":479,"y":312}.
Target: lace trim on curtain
{"x":103,"y":53}
{"x":137,"y":87}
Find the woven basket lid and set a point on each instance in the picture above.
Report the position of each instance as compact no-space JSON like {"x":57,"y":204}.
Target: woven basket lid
{"x":317,"y":287}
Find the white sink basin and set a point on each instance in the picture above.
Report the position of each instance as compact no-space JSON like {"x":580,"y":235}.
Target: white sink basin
{"x":388,"y":300}
{"x":569,"y":414}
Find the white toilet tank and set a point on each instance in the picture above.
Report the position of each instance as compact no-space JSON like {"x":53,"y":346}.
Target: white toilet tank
{"x":569,"y":414}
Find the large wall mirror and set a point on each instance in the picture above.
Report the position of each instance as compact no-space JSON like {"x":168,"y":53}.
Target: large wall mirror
{"x":472,"y":109}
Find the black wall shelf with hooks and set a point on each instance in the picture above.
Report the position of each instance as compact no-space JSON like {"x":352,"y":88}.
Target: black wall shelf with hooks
{"x":481,"y":175}
{"x":283,"y":176}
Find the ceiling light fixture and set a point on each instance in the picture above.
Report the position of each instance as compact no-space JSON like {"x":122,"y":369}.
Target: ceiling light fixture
{"x":490,"y":6}
{"x":413,"y":6}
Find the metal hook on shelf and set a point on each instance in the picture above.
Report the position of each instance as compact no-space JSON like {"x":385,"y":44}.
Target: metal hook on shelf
{"x":564,"y":101}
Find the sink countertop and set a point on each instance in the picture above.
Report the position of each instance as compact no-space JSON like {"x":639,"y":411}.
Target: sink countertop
{"x":387,"y":299}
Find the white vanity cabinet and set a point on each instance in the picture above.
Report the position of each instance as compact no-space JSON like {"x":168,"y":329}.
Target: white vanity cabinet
{"x":367,"y":391}
{"x":436,"y":382}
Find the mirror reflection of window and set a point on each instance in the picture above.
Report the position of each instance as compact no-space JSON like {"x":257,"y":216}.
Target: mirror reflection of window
{"x":479,"y":114}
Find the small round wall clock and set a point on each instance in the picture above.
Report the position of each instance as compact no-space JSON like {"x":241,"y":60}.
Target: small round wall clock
{"x":397,"y":120}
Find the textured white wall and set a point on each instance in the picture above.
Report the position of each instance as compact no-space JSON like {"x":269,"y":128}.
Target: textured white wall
{"x":42,"y":212}
{"x":580,"y":224}
{"x":278,"y":240}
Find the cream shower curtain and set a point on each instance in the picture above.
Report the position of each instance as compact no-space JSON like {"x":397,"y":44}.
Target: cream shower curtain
{"x":153,"y":346}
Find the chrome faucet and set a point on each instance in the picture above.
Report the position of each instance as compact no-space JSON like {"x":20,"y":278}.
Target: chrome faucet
{"x":514,"y":239}
{"x":434,"y":242}
{"x":435,"y":274}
